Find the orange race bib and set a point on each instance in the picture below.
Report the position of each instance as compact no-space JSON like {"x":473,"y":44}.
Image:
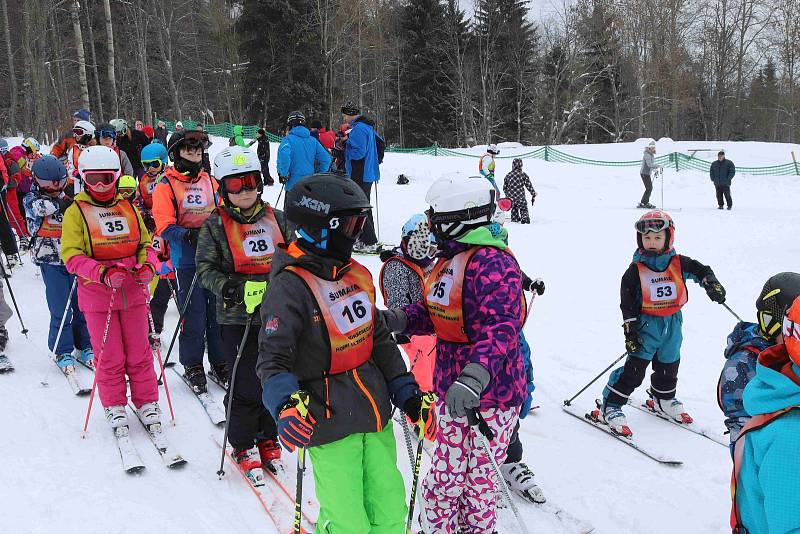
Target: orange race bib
{"x":252,"y":245}
{"x":663,"y":293}
{"x":114,"y":231}
{"x":51,"y":226}
{"x":194,"y":201}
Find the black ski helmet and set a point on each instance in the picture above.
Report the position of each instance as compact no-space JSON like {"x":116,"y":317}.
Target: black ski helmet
{"x":295,"y":118}
{"x":191,"y":138}
{"x":321,"y":205}
{"x":776,"y":296}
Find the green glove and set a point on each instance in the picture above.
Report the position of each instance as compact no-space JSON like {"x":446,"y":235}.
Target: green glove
{"x":253,"y":295}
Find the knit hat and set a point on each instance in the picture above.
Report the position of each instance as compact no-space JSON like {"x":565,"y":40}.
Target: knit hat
{"x":82,"y":114}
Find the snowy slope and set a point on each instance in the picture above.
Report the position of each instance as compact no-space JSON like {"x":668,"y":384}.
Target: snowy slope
{"x":580,"y":243}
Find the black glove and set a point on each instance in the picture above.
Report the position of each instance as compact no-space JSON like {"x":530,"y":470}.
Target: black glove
{"x":714,"y":289}
{"x":283,"y":179}
{"x":633,"y":341}
{"x":533,"y":285}
{"x":401,"y":339}
{"x":533,"y":197}
{"x":63,"y":204}
{"x":395,"y":318}
{"x":191,"y":236}
{"x":233,"y":293}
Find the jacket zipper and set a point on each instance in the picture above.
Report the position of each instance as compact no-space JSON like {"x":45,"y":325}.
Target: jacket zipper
{"x":371,"y":400}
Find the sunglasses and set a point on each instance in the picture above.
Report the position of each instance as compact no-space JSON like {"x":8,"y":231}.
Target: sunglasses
{"x":101,"y":178}
{"x":108,"y":133}
{"x":651,"y":225}
{"x":152,"y":164}
{"x":350,"y":225}
{"x":245,"y":182}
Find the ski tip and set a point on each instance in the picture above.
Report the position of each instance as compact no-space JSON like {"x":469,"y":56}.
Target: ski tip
{"x":177,"y":463}
{"x":135,"y":469}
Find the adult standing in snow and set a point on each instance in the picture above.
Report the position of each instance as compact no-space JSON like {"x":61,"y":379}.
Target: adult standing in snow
{"x":132,"y":142}
{"x":361,"y":161}
{"x":299,"y":154}
{"x":238,"y":137}
{"x":486,"y":165}
{"x":514,"y":185}
{"x":648,"y":166}
{"x":722,"y":172}
{"x":161,"y":132}
{"x":263,"y":155}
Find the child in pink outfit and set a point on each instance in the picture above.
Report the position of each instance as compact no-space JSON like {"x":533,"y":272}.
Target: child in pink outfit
{"x":106,"y":244}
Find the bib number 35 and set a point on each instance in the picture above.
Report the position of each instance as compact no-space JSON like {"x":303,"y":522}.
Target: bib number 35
{"x":114,"y":226}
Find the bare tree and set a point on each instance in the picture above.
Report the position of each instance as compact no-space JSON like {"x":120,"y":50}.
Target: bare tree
{"x":12,"y":76}
{"x":76,"y":28}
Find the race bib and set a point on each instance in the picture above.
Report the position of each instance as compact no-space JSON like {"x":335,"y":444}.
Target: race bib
{"x":55,"y":218}
{"x":440,"y":291}
{"x":663,"y":291}
{"x":194,"y":200}
{"x":352,"y":312}
{"x":255,"y":247}
{"x":114,"y":226}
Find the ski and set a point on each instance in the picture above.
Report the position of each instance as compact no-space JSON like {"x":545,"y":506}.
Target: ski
{"x":565,"y":518}
{"x":691,"y":427}
{"x":155,"y":432}
{"x":274,"y":476}
{"x":214,"y":378}
{"x":72,"y":378}
{"x":586,"y":418}
{"x":131,"y":461}
{"x":5,"y":364}
{"x":213,"y":409}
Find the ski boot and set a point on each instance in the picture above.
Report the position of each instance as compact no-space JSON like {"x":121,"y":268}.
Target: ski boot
{"x":221,"y":374}
{"x":671,"y":408}
{"x":5,"y":364}
{"x":249,"y":463}
{"x":614,"y":417}
{"x":150,"y":414}
{"x":24,"y":244}
{"x":196,"y":376}
{"x":519,"y":478}
{"x":86,"y":357}
{"x":66,"y":362}
{"x":116,"y":416}
{"x":3,"y":338}
{"x":13,"y":262}
{"x":270,"y":453}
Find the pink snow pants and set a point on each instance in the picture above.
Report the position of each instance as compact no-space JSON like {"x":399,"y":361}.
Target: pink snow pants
{"x":126,"y":351}
{"x":459,"y":490}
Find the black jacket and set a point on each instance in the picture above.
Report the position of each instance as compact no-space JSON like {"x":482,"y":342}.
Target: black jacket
{"x":132,"y":143}
{"x":161,"y":135}
{"x":722,"y":172}
{"x":263,"y":149}
{"x":294,"y":343}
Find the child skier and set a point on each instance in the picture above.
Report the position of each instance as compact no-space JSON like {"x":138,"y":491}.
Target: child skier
{"x":474,"y":303}
{"x":182,"y":202}
{"x":154,"y":159}
{"x":105,"y":243}
{"x":766,"y":470}
{"x":234,"y":255}
{"x":748,"y":340}
{"x":486,"y":165}
{"x":514,"y":186}
{"x":321,"y":335}
{"x":45,"y":205}
{"x":653,"y":292}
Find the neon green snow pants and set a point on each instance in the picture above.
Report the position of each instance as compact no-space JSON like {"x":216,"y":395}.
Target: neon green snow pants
{"x":359,"y":487}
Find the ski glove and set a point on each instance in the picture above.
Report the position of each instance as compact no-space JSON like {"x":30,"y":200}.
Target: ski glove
{"x":232,"y":293}
{"x":533,"y":285}
{"x":526,"y":405}
{"x":465,"y":393}
{"x":143,"y":273}
{"x":421,"y":410}
{"x":113,"y":277}
{"x":396,"y":319}
{"x":633,"y":340}
{"x":295,"y":430}
{"x":714,"y":289}
{"x":253,"y":295}
{"x":283,"y":179}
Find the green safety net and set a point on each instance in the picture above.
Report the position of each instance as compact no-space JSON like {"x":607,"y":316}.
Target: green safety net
{"x":675,"y":160}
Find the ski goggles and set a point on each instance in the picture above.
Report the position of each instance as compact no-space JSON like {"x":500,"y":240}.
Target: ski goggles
{"x":244,"y":182}
{"x":651,"y":225}
{"x":79,"y":132}
{"x":100,"y":180}
{"x":51,"y":186}
{"x":768,"y":324}
{"x":195,"y":139}
{"x":504,"y":204}
{"x":107,"y":133}
{"x":152,"y":163}
{"x":350,"y":226}
{"x":127,"y":192}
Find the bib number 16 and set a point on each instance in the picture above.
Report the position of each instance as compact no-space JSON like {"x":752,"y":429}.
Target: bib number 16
{"x":352,"y":312}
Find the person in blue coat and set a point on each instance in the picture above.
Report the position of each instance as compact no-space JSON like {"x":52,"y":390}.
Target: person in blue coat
{"x":722,"y":172}
{"x":766,"y":469}
{"x":361,"y":160}
{"x":299,"y":154}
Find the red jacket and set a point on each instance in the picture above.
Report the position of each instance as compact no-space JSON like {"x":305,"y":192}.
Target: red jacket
{"x":327,"y":138}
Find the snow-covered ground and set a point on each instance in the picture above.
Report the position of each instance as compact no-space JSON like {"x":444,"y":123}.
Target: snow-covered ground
{"x":580,"y":242}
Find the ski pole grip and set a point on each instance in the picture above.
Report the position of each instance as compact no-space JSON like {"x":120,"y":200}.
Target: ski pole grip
{"x":475,"y":417}
{"x":300,"y":399}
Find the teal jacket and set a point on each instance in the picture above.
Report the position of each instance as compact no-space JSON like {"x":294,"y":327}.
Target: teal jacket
{"x":768,"y":484}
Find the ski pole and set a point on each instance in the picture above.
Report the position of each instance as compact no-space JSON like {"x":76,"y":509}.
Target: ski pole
{"x":427,"y":402}
{"x":97,"y":361}
{"x":14,"y":301}
{"x":377,"y":213}
{"x":407,"y":439}
{"x":732,"y":312}
{"x":242,"y":343}
{"x":61,"y":328}
{"x":584,"y":388}
{"x":181,"y":313}
{"x":301,"y":399}
{"x":158,"y":352}
{"x":485,"y":435}
{"x":279,"y":195}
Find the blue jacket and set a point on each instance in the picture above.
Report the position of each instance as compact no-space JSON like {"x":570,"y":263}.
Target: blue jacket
{"x":361,"y":146}
{"x":741,"y":355}
{"x":300,"y":155}
{"x":722,"y":172}
{"x":766,"y":490}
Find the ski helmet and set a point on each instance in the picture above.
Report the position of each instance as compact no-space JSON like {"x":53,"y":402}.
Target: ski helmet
{"x":655,"y":221}
{"x":152,"y":154}
{"x":99,"y":169}
{"x":84,"y":132}
{"x":350,"y":108}
{"x":791,"y":331}
{"x":187,"y":139}
{"x":330,"y":212}
{"x":237,"y":162}
{"x":459,"y":204}
{"x":120,"y":125}
{"x":126,"y":186}
{"x":105,"y":130}
{"x":3,"y":146}
{"x":31,"y":144}
{"x":49,"y":174}
{"x":417,"y":241}
{"x":295,"y":118}
{"x":776,"y":296}
{"x":492,"y":149}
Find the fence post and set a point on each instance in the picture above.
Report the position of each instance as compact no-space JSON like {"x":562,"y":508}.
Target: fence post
{"x":435,"y":148}
{"x":796,"y":171}
{"x":546,"y":153}
{"x":677,"y":160}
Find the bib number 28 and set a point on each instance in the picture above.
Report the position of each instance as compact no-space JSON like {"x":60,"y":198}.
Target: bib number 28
{"x":352,"y":312}
{"x":258,"y":246}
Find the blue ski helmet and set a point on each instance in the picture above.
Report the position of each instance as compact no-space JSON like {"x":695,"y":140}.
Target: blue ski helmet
{"x":154,"y":151}
{"x":49,"y":169}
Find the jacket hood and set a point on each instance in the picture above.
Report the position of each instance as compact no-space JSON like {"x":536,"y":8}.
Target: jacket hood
{"x":300,"y":131}
{"x":491,"y":235}
{"x":744,"y":336}
{"x":656,"y":262}
{"x":772,"y":390}
{"x":516,"y":164}
{"x":237,"y":130}
{"x":296,"y":253}
{"x":365,"y":119}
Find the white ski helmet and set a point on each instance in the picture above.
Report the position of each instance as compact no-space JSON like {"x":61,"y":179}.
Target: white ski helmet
{"x":459,"y":203}
{"x":235,"y":160}
{"x":98,"y":158}
{"x":85,"y":126}
{"x":120,"y":125}
{"x":492,"y":149}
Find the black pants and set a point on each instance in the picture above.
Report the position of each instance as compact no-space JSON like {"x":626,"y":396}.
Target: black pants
{"x":368,"y":236}
{"x":265,"y":173}
{"x":514,"y":451}
{"x":663,"y":380}
{"x":160,"y":302}
{"x":7,"y":240}
{"x":724,"y":190}
{"x":249,"y":420}
{"x":648,"y":188}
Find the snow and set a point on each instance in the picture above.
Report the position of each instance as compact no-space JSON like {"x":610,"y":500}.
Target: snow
{"x":580,"y":243}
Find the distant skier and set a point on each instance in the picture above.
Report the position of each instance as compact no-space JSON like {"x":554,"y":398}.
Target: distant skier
{"x":722,"y":172}
{"x":514,"y":185}
{"x":486,"y":165}
{"x":648,"y":167}
{"x":105,"y":243}
{"x":653,"y":291}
